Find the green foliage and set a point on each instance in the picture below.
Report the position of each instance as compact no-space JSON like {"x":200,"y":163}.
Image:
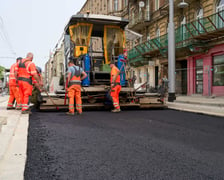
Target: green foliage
{"x":2,"y":69}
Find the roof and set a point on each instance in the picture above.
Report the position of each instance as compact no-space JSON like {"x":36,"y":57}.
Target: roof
{"x":96,"y":19}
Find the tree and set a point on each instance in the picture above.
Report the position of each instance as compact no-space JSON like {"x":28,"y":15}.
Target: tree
{"x":2,"y":69}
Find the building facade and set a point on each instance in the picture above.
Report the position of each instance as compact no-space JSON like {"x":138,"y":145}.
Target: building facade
{"x":54,"y":67}
{"x":106,"y":7}
{"x":199,"y":32}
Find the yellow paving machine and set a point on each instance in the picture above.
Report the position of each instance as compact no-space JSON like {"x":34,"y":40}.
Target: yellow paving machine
{"x":95,"y":40}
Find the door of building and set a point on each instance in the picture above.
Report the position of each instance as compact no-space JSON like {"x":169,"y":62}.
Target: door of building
{"x":184,"y":77}
{"x":156,"y":76}
{"x":199,"y":76}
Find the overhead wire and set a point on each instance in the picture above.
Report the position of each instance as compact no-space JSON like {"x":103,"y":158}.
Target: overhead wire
{"x":4,"y":36}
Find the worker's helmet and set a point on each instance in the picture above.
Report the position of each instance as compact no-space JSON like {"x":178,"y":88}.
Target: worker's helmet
{"x":39,"y":70}
{"x":19,"y":58}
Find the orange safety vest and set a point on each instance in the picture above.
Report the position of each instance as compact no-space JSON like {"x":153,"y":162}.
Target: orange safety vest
{"x":76,"y":78}
{"x":23,"y":71}
{"x":12,"y":78}
{"x":113,"y":72}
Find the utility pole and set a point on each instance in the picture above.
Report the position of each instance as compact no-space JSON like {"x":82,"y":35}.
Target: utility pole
{"x":171,"y":54}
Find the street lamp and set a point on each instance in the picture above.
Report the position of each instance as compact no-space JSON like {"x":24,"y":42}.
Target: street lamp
{"x":171,"y":50}
{"x":182,"y":5}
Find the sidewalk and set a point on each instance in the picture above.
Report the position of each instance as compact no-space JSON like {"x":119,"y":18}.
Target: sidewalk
{"x":13,"y":142}
{"x":199,"y":104}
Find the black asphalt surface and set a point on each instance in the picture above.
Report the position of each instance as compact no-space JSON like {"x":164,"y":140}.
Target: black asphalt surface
{"x":131,"y":145}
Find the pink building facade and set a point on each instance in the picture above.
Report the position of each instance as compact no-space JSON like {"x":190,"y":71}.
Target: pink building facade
{"x":205,"y":73}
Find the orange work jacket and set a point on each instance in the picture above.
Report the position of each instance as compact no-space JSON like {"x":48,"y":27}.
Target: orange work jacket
{"x":26,"y":69}
{"x":113,"y":72}
{"x":12,"y":78}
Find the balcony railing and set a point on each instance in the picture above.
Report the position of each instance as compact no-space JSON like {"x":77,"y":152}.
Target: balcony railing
{"x":196,"y":32}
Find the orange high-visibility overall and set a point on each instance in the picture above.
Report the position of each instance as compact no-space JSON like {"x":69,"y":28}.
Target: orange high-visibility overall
{"x":26,"y":69}
{"x":116,"y":89}
{"x":74,"y":92}
{"x":13,"y":88}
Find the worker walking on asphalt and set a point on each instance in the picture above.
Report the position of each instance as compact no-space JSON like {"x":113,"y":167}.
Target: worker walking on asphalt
{"x":75,"y":76}
{"x":26,"y":69}
{"x":14,"y":88}
{"x":115,"y":86}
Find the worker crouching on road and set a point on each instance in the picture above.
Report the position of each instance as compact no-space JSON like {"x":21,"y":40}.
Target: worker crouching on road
{"x":36,"y":97}
{"x":26,"y":70}
{"x":115,"y":86}
{"x":14,"y":88}
{"x":75,"y":76}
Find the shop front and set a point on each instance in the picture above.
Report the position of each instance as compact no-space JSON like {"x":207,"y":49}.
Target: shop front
{"x":206,"y":73}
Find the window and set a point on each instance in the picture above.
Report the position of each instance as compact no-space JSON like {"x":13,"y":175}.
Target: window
{"x":183,"y":29}
{"x":132,"y":16}
{"x":157,"y":40}
{"x":125,"y":3}
{"x":140,"y":13}
{"x":148,"y":39}
{"x":147,"y":12}
{"x":199,"y":23}
{"x":158,"y":33}
{"x":220,"y":9}
{"x":200,"y":13}
{"x":139,"y":76}
{"x":218,"y":71}
{"x":109,"y":5}
{"x":199,"y":76}
{"x":115,"y":5}
{"x":220,"y":6}
{"x":156,"y":5}
{"x":147,"y":75}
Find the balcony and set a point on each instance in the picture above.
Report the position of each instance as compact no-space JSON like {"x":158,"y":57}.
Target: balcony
{"x":139,"y":20}
{"x":191,"y":37}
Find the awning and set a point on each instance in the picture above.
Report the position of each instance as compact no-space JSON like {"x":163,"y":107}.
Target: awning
{"x":131,"y":35}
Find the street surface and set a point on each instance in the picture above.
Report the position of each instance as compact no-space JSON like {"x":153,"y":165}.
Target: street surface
{"x":131,"y":145}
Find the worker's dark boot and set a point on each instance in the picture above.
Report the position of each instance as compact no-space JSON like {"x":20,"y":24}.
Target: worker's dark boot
{"x":18,"y":108}
{"x":69,"y":113}
{"x":10,"y":108}
{"x":116,"y":110}
{"x":26,"y":112}
{"x":79,"y":113}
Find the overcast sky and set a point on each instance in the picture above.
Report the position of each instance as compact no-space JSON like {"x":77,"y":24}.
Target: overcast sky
{"x":33,"y":26}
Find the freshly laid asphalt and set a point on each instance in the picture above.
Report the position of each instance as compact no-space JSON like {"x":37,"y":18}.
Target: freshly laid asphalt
{"x":131,"y":145}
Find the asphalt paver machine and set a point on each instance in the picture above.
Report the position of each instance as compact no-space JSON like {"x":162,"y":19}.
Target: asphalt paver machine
{"x":95,"y":40}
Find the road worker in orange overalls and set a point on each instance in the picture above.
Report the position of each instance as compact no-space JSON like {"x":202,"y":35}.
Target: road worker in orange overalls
{"x":14,"y":88}
{"x":26,"y":69}
{"x":115,"y":86}
{"x":75,"y":76}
